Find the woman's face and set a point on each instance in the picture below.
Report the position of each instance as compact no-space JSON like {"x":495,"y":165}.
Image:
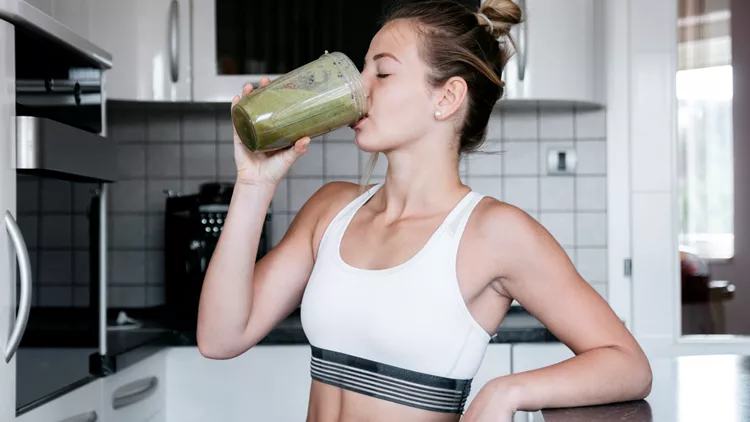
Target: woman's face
{"x":401,"y":103}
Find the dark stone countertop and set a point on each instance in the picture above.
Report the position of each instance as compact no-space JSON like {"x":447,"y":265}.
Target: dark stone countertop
{"x":703,"y":388}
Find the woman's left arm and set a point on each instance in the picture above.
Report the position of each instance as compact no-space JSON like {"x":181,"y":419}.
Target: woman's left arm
{"x":609,"y":365}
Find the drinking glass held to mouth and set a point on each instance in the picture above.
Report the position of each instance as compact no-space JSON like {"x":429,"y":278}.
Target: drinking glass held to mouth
{"x":312,"y":100}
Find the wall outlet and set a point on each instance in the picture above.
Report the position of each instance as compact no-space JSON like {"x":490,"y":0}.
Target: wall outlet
{"x":561,"y":161}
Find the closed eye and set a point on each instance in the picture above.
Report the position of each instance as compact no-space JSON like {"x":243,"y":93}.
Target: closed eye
{"x":383,"y":75}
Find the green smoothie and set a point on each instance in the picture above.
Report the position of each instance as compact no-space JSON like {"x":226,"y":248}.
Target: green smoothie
{"x":312,"y":100}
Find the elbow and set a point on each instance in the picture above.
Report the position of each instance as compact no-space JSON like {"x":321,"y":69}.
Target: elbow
{"x":643,"y":377}
{"x":218,"y":347}
{"x":644,"y":383}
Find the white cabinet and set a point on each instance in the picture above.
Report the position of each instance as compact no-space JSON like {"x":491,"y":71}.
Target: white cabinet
{"x":83,"y":404}
{"x":558,"y":56}
{"x":137,"y":393}
{"x":149,"y":41}
{"x":496,"y":363}
{"x":7,"y":203}
{"x":530,"y":356}
{"x":267,"y":383}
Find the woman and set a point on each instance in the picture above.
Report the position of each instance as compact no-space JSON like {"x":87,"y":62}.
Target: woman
{"x":400,"y":284}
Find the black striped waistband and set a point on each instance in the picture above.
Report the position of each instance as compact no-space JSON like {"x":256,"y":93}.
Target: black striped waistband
{"x":398,"y":385}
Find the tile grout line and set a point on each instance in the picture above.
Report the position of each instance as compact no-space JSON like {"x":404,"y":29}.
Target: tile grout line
{"x":538,"y":161}
{"x":575,"y":189}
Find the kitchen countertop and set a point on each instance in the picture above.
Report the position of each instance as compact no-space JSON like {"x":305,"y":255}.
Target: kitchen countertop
{"x":685,"y":389}
{"x":129,"y":344}
{"x":125,"y":346}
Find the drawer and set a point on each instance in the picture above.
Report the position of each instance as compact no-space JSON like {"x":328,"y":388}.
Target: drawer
{"x":84,"y":404}
{"x":137,"y":393}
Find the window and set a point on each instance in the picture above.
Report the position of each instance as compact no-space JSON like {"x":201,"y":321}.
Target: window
{"x":705,"y":160}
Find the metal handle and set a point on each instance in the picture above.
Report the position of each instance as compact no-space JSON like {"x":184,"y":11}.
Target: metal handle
{"x":174,"y":40}
{"x":24,"y":305}
{"x":83,"y":417}
{"x":134,"y":392}
{"x":522,"y":42}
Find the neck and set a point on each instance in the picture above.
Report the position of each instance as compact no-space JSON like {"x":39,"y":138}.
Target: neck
{"x":422,"y":179}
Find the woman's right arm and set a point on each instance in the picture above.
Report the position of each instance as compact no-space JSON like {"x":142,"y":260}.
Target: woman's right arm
{"x":241,"y":301}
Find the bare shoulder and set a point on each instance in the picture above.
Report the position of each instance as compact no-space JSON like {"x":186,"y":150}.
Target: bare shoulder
{"x":320,"y":209}
{"x":331,"y":198}
{"x":496,"y":221}
{"x":507,"y":237}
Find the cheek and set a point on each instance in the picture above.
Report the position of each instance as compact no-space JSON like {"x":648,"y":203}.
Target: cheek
{"x":401,"y":106}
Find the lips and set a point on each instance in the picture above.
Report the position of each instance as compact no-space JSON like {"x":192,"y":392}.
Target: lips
{"x":356,"y":125}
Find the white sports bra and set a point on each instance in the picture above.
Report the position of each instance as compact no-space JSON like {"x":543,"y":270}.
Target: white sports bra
{"x":402,"y":334}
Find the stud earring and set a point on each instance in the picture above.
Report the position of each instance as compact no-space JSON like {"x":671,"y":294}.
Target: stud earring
{"x":438,"y":114}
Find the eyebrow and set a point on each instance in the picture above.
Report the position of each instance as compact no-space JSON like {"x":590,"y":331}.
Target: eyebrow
{"x":381,"y":55}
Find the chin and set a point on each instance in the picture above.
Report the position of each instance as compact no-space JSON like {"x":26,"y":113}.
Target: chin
{"x":366,"y":143}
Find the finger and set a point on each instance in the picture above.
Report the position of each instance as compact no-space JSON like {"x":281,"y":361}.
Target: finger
{"x":299,"y":149}
{"x":265,"y":81}
{"x":235,"y":100}
{"x":302,"y":145}
{"x":247,"y":89}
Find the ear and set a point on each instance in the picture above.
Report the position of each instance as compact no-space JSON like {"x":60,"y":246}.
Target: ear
{"x":451,"y":96}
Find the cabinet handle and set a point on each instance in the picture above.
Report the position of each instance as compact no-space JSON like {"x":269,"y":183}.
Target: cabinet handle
{"x":134,"y":392}
{"x":83,"y":417}
{"x":523,"y":44}
{"x":174,"y":40}
{"x":24,"y":305}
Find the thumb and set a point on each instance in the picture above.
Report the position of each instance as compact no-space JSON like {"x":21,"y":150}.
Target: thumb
{"x":297,"y":150}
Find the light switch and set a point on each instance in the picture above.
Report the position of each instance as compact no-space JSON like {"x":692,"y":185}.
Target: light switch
{"x":561,"y":161}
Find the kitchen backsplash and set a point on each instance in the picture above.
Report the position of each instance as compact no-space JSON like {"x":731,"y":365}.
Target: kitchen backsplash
{"x":178,"y":147}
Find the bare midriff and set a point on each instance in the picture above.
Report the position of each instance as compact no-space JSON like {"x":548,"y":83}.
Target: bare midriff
{"x":334,"y":404}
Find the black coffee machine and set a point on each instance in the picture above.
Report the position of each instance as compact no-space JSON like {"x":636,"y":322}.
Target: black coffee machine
{"x":193,"y":224}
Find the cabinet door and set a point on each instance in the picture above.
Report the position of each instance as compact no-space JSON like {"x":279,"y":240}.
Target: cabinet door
{"x":527,"y":357}
{"x":556,"y":57}
{"x":150,"y":45}
{"x":267,"y":383}
{"x":80,"y":405}
{"x":496,"y":363}
{"x":7,"y":203}
{"x":137,"y":393}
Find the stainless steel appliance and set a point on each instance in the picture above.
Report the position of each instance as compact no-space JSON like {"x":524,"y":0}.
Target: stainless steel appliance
{"x":64,"y":164}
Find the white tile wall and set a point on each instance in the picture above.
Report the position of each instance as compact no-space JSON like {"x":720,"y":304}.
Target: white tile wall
{"x":556,"y":125}
{"x":489,"y":162}
{"x":591,"y":193}
{"x":557,"y":193}
{"x":490,"y":186}
{"x":301,"y":190}
{"x":561,"y":227}
{"x":310,"y":164}
{"x":591,"y":229}
{"x":182,"y":147}
{"x":522,"y":192}
{"x":341,"y":160}
{"x":519,"y":125}
{"x":521,"y":159}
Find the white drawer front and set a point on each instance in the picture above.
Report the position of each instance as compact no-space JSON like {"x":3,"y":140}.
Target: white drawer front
{"x":138,"y":393}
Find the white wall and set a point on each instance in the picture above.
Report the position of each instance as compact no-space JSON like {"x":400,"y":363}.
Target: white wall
{"x":641,"y":40}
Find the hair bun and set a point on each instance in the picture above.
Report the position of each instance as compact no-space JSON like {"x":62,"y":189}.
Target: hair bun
{"x":499,"y":16}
